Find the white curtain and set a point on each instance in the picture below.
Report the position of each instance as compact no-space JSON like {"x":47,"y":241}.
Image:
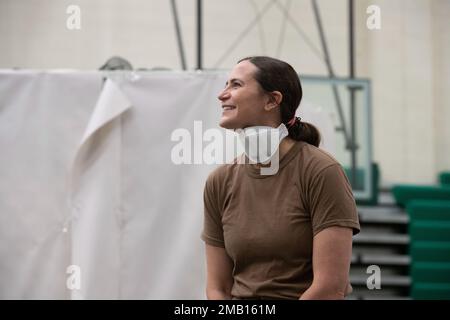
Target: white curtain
{"x":92,"y":204}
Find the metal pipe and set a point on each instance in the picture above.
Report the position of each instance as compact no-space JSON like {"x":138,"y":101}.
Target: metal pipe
{"x":331,"y":74}
{"x":178,"y":34}
{"x":199,"y":35}
{"x":352,"y":89}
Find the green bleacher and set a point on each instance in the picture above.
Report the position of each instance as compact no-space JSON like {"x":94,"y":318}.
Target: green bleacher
{"x":430,"y":251}
{"x":428,"y":208}
{"x":431,"y":291}
{"x":405,"y":193}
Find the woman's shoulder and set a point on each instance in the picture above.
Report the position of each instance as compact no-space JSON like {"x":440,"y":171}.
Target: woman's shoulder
{"x":315,"y":160}
{"x":223,"y":172}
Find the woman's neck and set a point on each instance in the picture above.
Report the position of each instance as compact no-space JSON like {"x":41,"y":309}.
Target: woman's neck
{"x":285,"y":145}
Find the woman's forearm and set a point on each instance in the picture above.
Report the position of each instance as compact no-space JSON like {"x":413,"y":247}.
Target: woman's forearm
{"x":214,"y":294}
{"x":316,"y":292}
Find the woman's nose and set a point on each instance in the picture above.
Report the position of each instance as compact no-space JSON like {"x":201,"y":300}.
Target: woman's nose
{"x":223,"y":95}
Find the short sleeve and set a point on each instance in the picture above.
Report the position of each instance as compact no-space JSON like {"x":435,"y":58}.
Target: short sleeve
{"x":212,"y":222}
{"x":331,"y":201}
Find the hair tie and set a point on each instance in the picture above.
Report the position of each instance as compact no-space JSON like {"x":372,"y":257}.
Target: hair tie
{"x":293,"y":121}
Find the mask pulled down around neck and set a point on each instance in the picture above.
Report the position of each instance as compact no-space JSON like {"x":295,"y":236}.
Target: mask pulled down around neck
{"x":260,"y":143}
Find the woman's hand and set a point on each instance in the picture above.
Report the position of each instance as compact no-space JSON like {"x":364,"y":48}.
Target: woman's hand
{"x":349,"y":289}
{"x":332,"y":251}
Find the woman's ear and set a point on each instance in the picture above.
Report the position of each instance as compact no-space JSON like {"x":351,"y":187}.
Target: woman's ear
{"x":275,"y":98}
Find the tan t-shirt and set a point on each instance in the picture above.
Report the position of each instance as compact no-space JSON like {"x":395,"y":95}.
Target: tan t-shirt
{"x":266,"y":223}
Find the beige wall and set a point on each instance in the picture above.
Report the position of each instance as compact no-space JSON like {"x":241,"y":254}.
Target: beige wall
{"x":441,"y":83}
{"x":407,"y":60}
{"x":398,"y":61}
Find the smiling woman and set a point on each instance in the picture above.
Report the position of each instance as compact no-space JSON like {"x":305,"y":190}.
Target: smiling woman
{"x":265,"y":91}
{"x":242,"y":98}
{"x":282,"y":236}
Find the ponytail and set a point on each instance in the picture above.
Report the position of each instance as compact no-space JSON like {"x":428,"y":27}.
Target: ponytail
{"x":304,"y":131}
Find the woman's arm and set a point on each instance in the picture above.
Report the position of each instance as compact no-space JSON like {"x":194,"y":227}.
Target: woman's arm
{"x":332,"y":250}
{"x":219,"y":269}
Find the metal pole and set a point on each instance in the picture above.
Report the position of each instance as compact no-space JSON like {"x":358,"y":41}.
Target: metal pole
{"x":199,"y":35}
{"x":352,"y":93}
{"x":331,"y":74}
{"x":351,"y":38}
{"x":178,"y":34}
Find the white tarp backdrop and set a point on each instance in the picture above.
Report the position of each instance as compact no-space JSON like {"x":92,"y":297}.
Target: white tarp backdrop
{"x":92,"y":204}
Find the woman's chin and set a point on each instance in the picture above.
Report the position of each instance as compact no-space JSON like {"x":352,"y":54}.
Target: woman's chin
{"x":227,"y":123}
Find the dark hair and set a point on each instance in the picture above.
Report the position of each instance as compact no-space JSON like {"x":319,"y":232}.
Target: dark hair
{"x":277,"y":75}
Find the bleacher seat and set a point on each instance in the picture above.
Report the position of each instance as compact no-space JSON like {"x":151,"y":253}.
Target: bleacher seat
{"x":429,"y":230}
{"x":431,"y":291}
{"x":431,"y":272}
{"x":428,"y":210}
{"x":405,"y":193}
{"x":437,"y":251}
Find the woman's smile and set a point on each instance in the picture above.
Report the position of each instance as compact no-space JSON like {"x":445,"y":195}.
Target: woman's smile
{"x":228,"y":107}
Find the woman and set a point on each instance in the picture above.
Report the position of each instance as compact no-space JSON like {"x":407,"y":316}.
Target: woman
{"x":282,"y":236}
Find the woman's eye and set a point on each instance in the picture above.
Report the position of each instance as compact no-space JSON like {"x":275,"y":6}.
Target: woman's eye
{"x":236,"y":85}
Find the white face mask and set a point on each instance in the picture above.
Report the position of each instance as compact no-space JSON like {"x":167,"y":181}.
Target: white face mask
{"x":261,"y":142}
